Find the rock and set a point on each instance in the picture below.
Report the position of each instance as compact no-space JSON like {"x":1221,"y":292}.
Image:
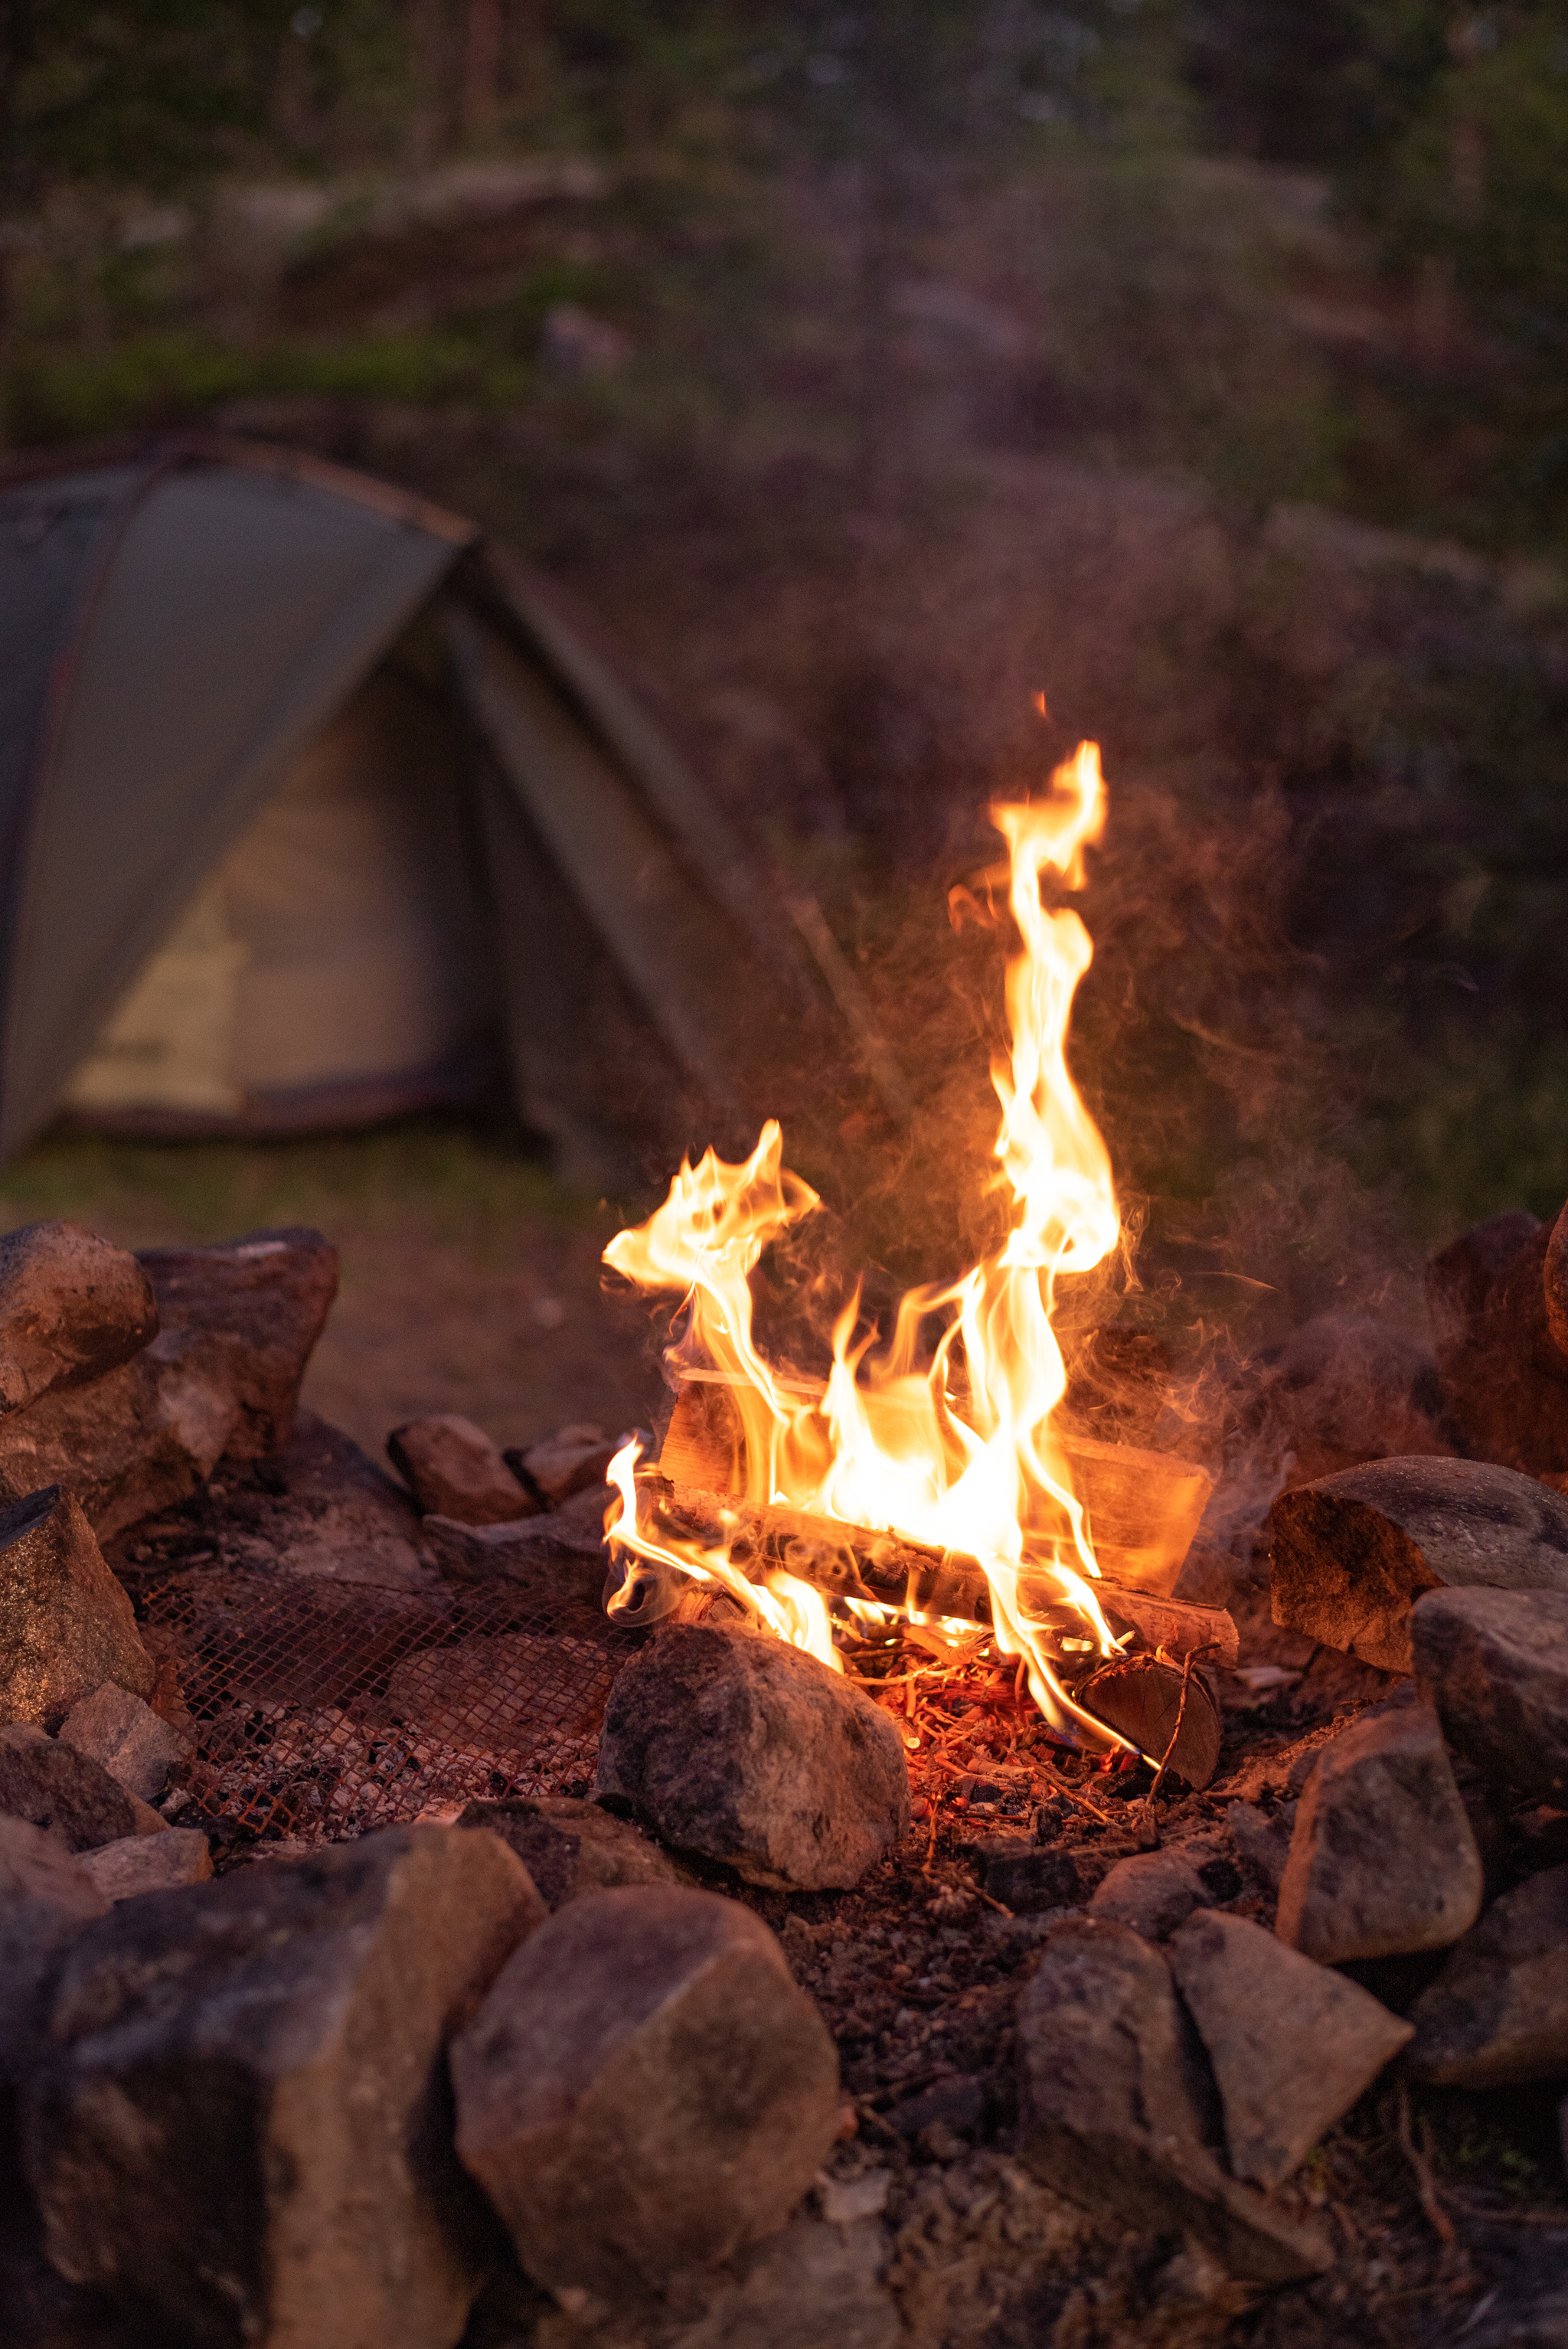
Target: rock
{"x":1153,"y":1892}
{"x":1495,"y":1664}
{"x":1026,"y":1876}
{"x":557,"y":1555}
{"x":116,"y":1729}
{"x":46,"y":1896}
{"x":1292,"y":2043}
{"x":242,"y":2122}
{"x":66,"y":1625}
{"x":573,"y":1460}
{"x":1497,"y":1301}
{"x":255,"y":1306}
{"x":1353,"y":1552}
{"x":140,"y":1439}
{"x":322,"y":1507}
{"x":570,"y":1848}
{"x":736,"y":1745}
{"x":55,"y":1787}
{"x":1382,"y":1860}
{"x":149,"y":1863}
{"x":644,"y":2088}
{"x":72,"y":1306}
{"x":1499,"y":2009}
{"x":455,"y":1471}
{"x":1263,"y":1842}
{"x":1109,"y":2116}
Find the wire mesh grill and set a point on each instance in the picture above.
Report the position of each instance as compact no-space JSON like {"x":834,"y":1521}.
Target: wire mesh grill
{"x":317,"y":1709}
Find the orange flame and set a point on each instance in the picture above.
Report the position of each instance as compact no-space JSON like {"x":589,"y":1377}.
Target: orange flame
{"x":958,"y":1453}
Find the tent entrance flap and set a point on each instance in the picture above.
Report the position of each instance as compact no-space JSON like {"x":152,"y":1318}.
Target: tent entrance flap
{"x":339,"y":945}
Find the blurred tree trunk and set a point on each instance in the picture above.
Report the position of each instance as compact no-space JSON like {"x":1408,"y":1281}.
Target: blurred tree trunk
{"x":16,"y":52}
{"x":427,"y":21}
{"x":481,"y":71}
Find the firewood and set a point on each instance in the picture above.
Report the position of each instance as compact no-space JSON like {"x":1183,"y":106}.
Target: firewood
{"x":856,"y":1562}
{"x":1142,"y":1507}
{"x":1169,"y":1714}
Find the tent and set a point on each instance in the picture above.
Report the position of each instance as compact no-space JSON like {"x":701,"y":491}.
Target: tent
{"x":314,"y":806}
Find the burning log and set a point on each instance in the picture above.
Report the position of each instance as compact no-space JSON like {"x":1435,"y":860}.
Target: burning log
{"x":845,"y":1561}
{"x":1142,"y":1507}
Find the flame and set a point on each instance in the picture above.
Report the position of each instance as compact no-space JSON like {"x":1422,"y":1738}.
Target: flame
{"x":947,"y":1442}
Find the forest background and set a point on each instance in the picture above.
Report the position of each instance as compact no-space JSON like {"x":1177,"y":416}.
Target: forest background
{"x":869,"y":369}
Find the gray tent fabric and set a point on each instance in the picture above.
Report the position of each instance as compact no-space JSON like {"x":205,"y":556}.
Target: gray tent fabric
{"x":271,"y":859}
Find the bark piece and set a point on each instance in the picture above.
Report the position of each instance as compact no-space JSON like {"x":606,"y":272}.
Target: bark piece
{"x":148,"y":1863}
{"x":644,"y":2088}
{"x":66,"y":1625}
{"x":53,"y":1786}
{"x":1382,"y":1860}
{"x":1353,"y":1552}
{"x":245,"y":2119}
{"x":736,"y":1745}
{"x":1495,"y":1664}
{"x":570,"y":1848}
{"x":1169,"y":1716}
{"x":1152,"y":1892}
{"x":257,"y":1307}
{"x":1498,"y":1300}
{"x":1293,"y":2044}
{"x":571,"y":1461}
{"x":117,"y":1730}
{"x":454,"y":1470}
{"x":72,"y":1306}
{"x":1498,"y":2010}
{"x":1109,"y":2116}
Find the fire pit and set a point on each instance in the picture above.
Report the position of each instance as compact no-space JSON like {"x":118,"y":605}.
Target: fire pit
{"x":924,"y":1486}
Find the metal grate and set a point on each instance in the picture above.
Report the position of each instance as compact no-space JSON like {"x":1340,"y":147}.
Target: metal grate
{"x":320,"y":1709}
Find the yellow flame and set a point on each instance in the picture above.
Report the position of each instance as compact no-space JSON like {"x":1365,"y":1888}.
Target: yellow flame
{"x":949,"y":1444}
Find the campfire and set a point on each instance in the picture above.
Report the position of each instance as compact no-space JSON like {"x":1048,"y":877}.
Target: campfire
{"x":924,"y":1487}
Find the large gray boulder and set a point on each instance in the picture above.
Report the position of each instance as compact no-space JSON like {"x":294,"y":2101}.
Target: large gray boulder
{"x":1353,"y":1553}
{"x":1383,"y":1860}
{"x":1495,"y":1664}
{"x":66,"y":1625}
{"x":1292,"y":2043}
{"x":1109,"y":2114}
{"x":72,"y":1306}
{"x":1498,"y":2012}
{"x":243,"y":2124}
{"x":735,"y":1744}
{"x":46,"y":1896}
{"x":645,"y":2089}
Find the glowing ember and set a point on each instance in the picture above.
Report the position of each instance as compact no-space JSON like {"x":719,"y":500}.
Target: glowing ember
{"x":949,"y":1443}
